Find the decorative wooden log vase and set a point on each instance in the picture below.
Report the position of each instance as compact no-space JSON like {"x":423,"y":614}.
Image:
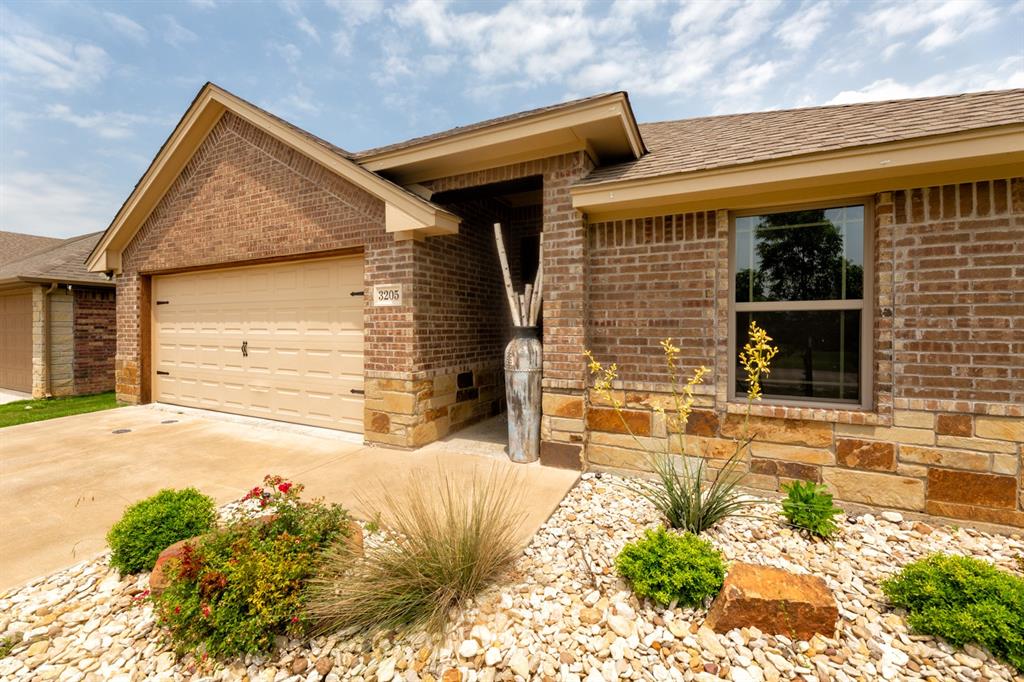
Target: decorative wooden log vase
{"x":523,"y":361}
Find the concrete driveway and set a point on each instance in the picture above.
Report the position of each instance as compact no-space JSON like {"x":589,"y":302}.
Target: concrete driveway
{"x":66,"y":481}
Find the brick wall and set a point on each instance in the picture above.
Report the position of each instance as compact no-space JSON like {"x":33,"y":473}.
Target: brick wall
{"x":946,"y":430}
{"x":95,"y":334}
{"x":244,"y":196}
{"x":959,"y":294}
{"x":652,"y":278}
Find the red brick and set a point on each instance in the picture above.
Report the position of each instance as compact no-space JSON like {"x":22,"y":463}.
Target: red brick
{"x":954,"y":425}
{"x":866,"y":454}
{"x":968,"y":487}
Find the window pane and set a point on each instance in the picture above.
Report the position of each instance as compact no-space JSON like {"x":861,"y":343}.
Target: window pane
{"x":819,"y":354}
{"x":811,"y":255}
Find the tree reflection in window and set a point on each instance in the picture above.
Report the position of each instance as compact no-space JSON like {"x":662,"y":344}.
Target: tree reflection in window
{"x":815,"y":257}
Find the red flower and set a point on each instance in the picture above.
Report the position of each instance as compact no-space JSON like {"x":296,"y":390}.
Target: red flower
{"x":206,"y":611}
{"x":177,"y":609}
{"x":295,"y":619}
{"x":285,"y":487}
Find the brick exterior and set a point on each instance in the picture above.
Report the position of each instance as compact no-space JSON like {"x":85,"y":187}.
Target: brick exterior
{"x":944,"y":434}
{"x":946,"y":430}
{"x":95,"y":337}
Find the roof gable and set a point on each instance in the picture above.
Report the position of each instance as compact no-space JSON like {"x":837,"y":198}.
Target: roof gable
{"x":405,"y":212}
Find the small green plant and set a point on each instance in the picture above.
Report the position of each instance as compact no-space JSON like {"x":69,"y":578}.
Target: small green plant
{"x":6,"y":646}
{"x":444,"y":542}
{"x":150,"y":526}
{"x":671,"y":567}
{"x":809,"y":506}
{"x":373,"y":526}
{"x":964,"y":600}
{"x":239,"y":586}
{"x":683,"y":490}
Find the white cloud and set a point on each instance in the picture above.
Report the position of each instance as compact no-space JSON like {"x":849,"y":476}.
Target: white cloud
{"x":126,"y":27}
{"x":49,"y":61}
{"x":203,"y":4}
{"x":54,"y":203}
{"x":750,"y":79}
{"x":115,"y":125}
{"x":352,"y":14}
{"x":1007,"y":74}
{"x":804,"y":26}
{"x":175,"y":34}
{"x":300,"y":102}
{"x":942,"y":23}
{"x":288,"y":52}
{"x":294,"y":8}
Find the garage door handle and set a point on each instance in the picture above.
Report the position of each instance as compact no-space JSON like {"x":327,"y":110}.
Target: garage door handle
{"x":245,"y":349}
{"x":357,"y":391}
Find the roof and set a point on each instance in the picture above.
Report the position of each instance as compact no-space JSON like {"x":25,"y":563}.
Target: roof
{"x":17,"y":245}
{"x":459,"y":130}
{"x":697,"y":144}
{"x":62,"y":262}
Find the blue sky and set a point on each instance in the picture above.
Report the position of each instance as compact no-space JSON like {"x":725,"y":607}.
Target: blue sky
{"x":89,"y":91}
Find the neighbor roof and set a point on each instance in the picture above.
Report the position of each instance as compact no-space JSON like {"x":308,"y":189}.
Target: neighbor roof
{"x":63,"y":262}
{"x":17,"y":245}
{"x":697,"y":144}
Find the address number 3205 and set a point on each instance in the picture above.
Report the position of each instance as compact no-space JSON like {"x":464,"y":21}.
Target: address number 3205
{"x":387,"y":295}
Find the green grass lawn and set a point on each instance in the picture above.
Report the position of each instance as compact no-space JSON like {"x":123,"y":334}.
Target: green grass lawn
{"x":24,"y":411}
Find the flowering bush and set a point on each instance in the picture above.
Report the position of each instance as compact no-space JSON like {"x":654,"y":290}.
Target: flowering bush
{"x":684,"y":492}
{"x":239,"y":586}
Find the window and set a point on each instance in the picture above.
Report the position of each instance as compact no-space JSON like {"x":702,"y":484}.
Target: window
{"x":802,"y":275}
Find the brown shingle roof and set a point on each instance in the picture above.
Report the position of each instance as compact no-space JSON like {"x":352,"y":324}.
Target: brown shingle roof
{"x":63,"y":262}
{"x":718,"y":141}
{"x":479,"y":125}
{"x":16,"y":245}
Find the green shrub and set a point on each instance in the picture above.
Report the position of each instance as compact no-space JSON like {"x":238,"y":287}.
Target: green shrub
{"x":809,"y":506}
{"x":152,"y":525}
{"x":238,"y":587}
{"x":6,"y":646}
{"x":964,"y":600}
{"x":444,"y":542}
{"x":670,"y":567}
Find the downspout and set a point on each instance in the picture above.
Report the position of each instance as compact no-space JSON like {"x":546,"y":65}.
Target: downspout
{"x":46,"y":339}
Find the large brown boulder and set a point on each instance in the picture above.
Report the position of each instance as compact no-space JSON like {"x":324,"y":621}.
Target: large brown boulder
{"x":160,"y":578}
{"x":775,"y":601}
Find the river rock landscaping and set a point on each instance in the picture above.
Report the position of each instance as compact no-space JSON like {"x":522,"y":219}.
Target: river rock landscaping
{"x":563,"y":614}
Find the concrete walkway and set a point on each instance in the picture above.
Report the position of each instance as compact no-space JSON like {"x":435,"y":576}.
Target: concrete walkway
{"x":9,"y":396}
{"x":66,"y":481}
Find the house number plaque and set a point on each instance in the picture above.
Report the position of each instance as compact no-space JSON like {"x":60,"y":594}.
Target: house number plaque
{"x":387,"y":294}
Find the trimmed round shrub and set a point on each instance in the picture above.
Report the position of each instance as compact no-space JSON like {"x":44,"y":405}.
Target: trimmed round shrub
{"x":963,"y":600}
{"x":672,"y":567}
{"x":152,"y":525}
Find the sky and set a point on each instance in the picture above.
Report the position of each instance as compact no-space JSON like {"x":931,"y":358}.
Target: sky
{"x":90,"y":90}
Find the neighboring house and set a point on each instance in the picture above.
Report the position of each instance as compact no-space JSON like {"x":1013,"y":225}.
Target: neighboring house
{"x":57,"y":319}
{"x":263,"y":271}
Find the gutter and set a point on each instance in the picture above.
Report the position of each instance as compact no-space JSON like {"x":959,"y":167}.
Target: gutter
{"x":46,"y":340}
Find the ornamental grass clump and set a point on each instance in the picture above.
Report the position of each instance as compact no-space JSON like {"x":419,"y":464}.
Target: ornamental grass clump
{"x":809,"y":506}
{"x":672,"y":568}
{"x":965,"y":601}
{"x":684,"y":491}
{"x":238,"y":587}
{"x":152,"y":525}
{"x":444,"y":540}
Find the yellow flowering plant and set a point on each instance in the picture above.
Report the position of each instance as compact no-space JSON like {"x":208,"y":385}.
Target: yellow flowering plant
{"x":682,"y":491}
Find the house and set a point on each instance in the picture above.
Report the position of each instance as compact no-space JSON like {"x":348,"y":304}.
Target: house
{"x":57,"y":319}
{"x":264,"y":271}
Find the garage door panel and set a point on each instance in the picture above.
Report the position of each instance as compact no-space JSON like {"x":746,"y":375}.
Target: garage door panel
{"x":304,"y":334}
{"x":16,"y":341}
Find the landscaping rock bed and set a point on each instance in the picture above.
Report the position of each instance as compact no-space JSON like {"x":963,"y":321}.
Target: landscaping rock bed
{"x":563,"y":615}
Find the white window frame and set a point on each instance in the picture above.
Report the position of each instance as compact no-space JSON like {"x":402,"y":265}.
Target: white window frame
{"x":865,"y":305}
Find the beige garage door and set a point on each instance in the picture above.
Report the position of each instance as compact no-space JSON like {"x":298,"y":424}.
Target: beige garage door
{"x":276,"y":341}
{"x":16,"y":341}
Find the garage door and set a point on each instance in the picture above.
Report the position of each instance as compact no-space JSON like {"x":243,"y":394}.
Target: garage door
{"x":278,"y":341}
{"x":16,"y":341}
